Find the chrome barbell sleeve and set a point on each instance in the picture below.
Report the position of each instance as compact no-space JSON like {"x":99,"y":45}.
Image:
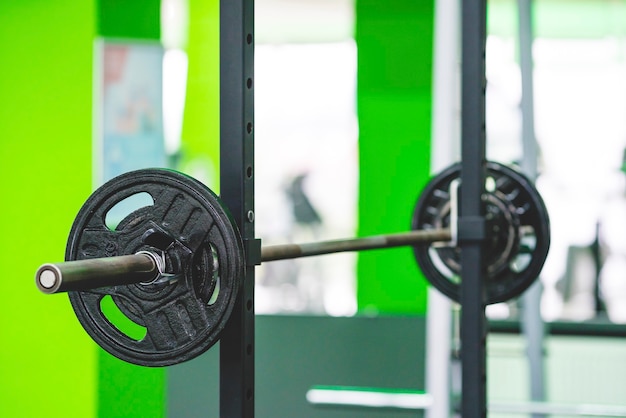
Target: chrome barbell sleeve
{"x":97,"y":272}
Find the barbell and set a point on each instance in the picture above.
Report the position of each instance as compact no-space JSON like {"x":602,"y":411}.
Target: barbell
{"x":174,"y":267}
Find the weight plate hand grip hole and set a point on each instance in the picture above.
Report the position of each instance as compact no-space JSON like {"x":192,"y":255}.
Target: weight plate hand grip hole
{"x":120,"y":321}
{"x":126,"y":207}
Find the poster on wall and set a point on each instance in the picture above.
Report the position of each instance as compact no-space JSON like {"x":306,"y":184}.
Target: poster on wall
{"x":129,"y":105}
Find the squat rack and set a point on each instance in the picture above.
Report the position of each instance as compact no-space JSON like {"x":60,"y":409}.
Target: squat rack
{"x":237,"y":192}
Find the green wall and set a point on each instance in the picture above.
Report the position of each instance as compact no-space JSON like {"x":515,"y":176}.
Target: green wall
{"x":394,"y":41}
{"x":200,"y":151}
{"x":47,"y":362}
{"x":137,"y":19}
{"x":49,"y":366}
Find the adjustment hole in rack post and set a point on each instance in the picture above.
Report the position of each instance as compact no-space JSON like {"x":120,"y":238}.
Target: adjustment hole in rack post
{"x":249,"y":304}
{"x":249,"y":38}
{"x":249,"y":172}
{"x":249,"y":127}
{"x":249,"y":83}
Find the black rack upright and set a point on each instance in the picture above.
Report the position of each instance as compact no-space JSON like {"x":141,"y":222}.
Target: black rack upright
{"x":237,"y":192}
{"x":471,"y":213}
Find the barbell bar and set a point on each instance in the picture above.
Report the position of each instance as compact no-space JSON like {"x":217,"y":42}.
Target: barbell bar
{"x":403,"y":239}
{"x":143,"y":268}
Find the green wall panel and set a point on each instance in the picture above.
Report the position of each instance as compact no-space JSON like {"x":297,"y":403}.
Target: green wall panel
{"x":129,"y":391}
{"x":200,"y":136}
{"x":394,"y":42}
{"x":47,"y":362}
{"x":137,"y":19}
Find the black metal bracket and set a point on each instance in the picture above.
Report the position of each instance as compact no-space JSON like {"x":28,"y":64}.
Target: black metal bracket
{"x":252,"y":248}
{"x":471,"y":229}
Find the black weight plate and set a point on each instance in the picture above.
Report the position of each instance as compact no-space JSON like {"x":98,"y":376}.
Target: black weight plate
{"x":518,"y":229}
{"x":182,"y":317}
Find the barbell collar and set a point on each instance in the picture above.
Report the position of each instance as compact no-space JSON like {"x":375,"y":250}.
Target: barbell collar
{"x":94,"y":273}
{"x":289,"y":251}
